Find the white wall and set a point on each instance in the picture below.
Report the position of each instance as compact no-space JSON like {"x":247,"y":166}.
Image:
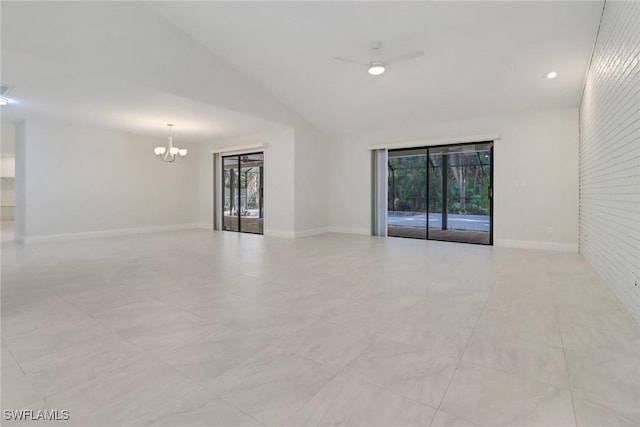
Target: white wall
{"x":610,"y":155}
{"x":8,"y":193}
{"x":20,"y":181}
{"x":8,"y":139}
{"x":535,"y":175}
{"x":311,"y":182}
{"x":7,"y":189}
{"x":82,"y":35}
{"x":7,"y":166}
{"x":7,"y":171}
{"x":86,"y":180}
{"x":279,"y":197}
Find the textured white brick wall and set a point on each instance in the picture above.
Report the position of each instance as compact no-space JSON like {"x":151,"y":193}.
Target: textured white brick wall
{"x":610,"y":154}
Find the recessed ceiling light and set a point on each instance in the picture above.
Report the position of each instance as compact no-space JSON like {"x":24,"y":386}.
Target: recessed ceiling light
{"x":551,"y":75}
{"x":4,"y":101}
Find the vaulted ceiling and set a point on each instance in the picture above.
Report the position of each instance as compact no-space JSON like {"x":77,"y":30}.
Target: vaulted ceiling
{"x":481,"y":58}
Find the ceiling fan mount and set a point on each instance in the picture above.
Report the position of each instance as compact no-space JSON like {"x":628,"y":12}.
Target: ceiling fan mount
{"x":376,"y":47}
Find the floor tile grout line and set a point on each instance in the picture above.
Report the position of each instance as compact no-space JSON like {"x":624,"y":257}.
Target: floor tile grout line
{"x":15,"y":359}
{"x":171,"y":367}
{"x":310,"y":398}
{"x":178,"y":307}
{"x":376,"y":336}
{"x":486,"y":303}
{"x":238,"y":409}
{"x":571,"y":387}
{"x":26,"y":376}
{"x":583,"y":325}
{"x":525,"y":348}
{"x":388,"y":390}
{"x":518,"y":376}
{"x":338,"y":372}
{"x":201,"y":317}
{"x":342,"y":370}
{"x":564,"y":352}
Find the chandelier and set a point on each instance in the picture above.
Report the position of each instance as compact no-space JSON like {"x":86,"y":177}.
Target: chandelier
{"x":170,"y":153}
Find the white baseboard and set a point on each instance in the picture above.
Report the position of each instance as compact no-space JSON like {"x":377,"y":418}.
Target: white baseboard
{"x":312,"y":232}
{"x":527,"y":244}
{"x":280,"y":233}
{"x":522,"y":244}
{"x":107,"y":233}
{"x":277,"y":233}
{"x":348,"y":230}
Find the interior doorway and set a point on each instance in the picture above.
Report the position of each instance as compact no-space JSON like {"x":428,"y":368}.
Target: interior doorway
{"x":7,"y":198}
{"x":242,"y":193}
{"x":442,"y":193}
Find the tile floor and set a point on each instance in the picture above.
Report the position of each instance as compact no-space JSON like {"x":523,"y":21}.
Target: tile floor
{"x":197,"y":328}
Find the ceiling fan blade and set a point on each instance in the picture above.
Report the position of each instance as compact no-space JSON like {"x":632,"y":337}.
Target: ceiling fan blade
{"x":353,"y":61}
{"x":406,"y":57}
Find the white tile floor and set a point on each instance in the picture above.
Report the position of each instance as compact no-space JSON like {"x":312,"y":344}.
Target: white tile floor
{"x":196,"y":328}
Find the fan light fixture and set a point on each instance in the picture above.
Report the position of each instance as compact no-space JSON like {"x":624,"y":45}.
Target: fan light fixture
{"x":377,"y":65}
{"x":170,"y":154}
{"x":376,"y":68}
{"x":4,"y":101}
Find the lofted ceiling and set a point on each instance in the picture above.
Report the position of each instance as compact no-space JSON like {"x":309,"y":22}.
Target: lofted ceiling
{"x":48,"y":90}
{"x":481,"y":58}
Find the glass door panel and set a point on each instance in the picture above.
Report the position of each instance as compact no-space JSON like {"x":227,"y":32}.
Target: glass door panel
{"x":436,"y":216}
{"x":407,"y":204}
{"x":251,"y":219}
{"x":467,"y":205}
{"x":230,"y":214}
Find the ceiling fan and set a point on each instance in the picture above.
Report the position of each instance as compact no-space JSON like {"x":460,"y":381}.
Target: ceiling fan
{"x":377,"y":65}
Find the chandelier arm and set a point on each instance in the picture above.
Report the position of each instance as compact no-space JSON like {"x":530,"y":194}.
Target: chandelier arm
{"x":165,"y":157}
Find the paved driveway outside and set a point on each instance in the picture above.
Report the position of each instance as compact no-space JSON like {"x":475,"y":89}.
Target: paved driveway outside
{"x":456,"y":221}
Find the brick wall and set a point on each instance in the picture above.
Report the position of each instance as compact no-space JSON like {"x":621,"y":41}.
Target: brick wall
{"x":610,"y":154}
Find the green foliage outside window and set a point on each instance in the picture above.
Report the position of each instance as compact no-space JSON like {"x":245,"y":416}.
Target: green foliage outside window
{"x":467,"y":188}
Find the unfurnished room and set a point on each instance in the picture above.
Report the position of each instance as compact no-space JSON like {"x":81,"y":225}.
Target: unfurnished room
{"x":320,"y":213}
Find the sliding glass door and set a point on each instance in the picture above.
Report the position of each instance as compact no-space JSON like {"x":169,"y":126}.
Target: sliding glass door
{"x":442,"y":193}
{"x":243,"y":182}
